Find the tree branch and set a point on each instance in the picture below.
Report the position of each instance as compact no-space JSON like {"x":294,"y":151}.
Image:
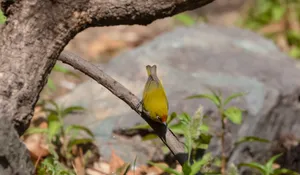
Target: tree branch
{"x":143,"y":12}
{"x":165,"y":134}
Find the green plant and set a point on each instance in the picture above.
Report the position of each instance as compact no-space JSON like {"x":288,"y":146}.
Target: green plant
{"x":268,"y":169}
{"x":2,"y":18}
{"x":278,"y":20}
{"x":62,"y":139}
{"x":234,"y":114}
{"x":187,"y":168}
{"x":51,"y":166}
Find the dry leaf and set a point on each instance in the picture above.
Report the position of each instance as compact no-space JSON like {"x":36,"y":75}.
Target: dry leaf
{"x":35,"y":143}
{"x":115,"y":162}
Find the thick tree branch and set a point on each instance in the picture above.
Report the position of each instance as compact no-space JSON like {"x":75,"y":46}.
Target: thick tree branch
{"x":165,"y":134}
{"x":114,"y":12}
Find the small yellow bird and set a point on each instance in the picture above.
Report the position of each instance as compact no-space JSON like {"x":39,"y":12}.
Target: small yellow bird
{"x":155,"y":101}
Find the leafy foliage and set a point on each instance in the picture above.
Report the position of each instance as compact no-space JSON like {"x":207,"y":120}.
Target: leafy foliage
{"x":268,"y":169}
{"x":278,"y":20}
{"x":51,"y":166}
{"x":61,"y":138}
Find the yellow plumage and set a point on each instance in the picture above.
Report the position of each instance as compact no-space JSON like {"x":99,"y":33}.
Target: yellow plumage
{"x":155,"y":101}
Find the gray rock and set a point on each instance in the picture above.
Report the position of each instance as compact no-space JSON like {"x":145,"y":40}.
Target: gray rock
{"x":192,"y":59}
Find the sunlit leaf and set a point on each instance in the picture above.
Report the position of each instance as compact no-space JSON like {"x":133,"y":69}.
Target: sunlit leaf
{"x":295,"y":52}
{"x":2,"y":18}
{"x":277,"y":12}
{"x":149,"y":137}
{"x":234,"y":114}
{"x":54,"y":129}
{"x":185,"y":19}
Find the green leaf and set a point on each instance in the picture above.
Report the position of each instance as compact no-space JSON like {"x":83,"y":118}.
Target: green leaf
{"x":212,"y":97}
{"x":79,"y":128}
{"x":185,"y":19}
{"x":196,"y":167}
{"x":233,"y":96}
{"x":54,"y":129}
{"x":122,"y":169}
{"x":127,"y":169}
{"x":232,"y":170}
{"x":295,"y":52}
{"x":278,"y":12}
{"x":269,"y":164}
{"x":71,"y":109}
{"x":234,"y":114}
{"x":35,"y":130}
{"x":205,"y":138}
{"x":178,"y":128}
{"x":2,"y":18}
{"x":171,"y":117}
{"x":78,"y":141}
{"x":204,"y":128}
{"x":53,"y":103}
{"x":254,"y":165}
{"x":284,"y":171}
{"x":149,"y":137}
{"x":51,"y":84}
{"x":250,"y":139}
{"x":52,"y":117}
{"x":165,"y":168}
{"x":51,"y":111}
{"x":184,"y":118}
{"x":186,"y":168}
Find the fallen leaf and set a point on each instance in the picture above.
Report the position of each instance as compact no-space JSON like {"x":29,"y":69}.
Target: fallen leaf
{"x":115,"y":162}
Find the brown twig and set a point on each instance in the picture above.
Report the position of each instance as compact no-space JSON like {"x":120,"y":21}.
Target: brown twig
{"x":165,"y":134}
